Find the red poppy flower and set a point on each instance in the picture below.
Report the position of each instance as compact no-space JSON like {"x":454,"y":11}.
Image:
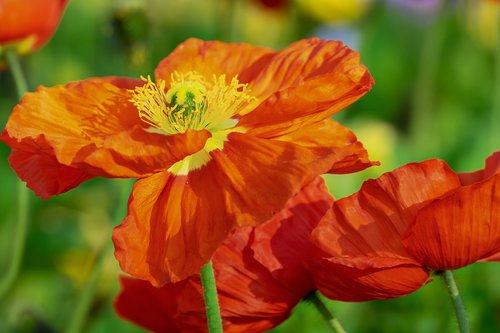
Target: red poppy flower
{"x":382,"y":241}
{"x":259,"y":272}
{"x":227,"y":134}
{"x":274,"y":4}
{"x":29,"y":23}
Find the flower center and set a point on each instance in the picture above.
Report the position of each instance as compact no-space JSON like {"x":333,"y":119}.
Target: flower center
{"x":192,"y":102}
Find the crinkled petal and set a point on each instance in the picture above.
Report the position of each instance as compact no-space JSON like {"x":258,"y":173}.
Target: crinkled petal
{"x":251,"y":297}
{"x":358,"y":279}
{"x":458,"y":229}
{"x":492,"y":167}
{"x":308,"y":81}
{"x":46,"y":176}
{"x":371,"y":224}
{"x":261,"y":175}
{"x":215,"y":58}
{"x":173,"y":227}
{"x":283,"y":244}
{"x":90,"y":125}
{"x":351,"y":155}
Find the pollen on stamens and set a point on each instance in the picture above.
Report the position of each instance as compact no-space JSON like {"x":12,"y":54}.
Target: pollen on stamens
{"x":191,"y":102}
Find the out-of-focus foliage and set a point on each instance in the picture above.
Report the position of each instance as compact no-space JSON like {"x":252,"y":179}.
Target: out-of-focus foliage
{"x":436,"y":80}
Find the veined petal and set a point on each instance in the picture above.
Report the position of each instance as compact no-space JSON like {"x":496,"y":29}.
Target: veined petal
{"x":283,"y":244}
{"x":306,"y":82}
{"x":215,"y":58}
{"x":458,"y":229}
{"x":371,"y":224}
{"x":253,"y":295}
{"x":261,"y":175}
{"x":359,"y":279}
{"x":90,"y":125}
{"x":351,"y":156}
{"x":173,"y":227}
{"x":44,"y":175}
{"x":491,"y":167}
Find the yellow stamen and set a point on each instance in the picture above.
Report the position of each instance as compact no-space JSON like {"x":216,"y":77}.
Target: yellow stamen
{"x":192,"y":102}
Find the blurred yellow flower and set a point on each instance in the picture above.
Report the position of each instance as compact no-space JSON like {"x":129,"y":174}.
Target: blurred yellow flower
{"x":334,"y":10}
{"x":483,"y":21}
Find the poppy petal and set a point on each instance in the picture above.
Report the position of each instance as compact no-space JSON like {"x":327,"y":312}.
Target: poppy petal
{"x":261,"y":175}
{"x":251,"y":297}
{"x":283,"y":244}
{"x":91,"y":125}
{"x":492,"y":167}
{"x":215,"y":58}
{"x":351,"y":155}
{"x":173,"y":227}
{"x":46,"y":176}
{"x":371,"y":224}
{"x":458,"y":229}
{"x":308,"y":81}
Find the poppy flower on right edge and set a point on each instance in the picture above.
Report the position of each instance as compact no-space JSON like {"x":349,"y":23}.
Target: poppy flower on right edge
{"x":384,"y":241}
{"x":259,"y":271}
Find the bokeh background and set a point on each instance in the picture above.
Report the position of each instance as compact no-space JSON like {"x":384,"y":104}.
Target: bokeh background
{"x":437,"y":70}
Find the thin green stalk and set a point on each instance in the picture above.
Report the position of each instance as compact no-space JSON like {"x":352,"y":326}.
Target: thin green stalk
{"x":19,"y":237}
{"x":214,"y":321}
{"x":424,"y":133}
{"x":458,"y":305}
{"x":333,"y":322}
{"x":78,"y":317}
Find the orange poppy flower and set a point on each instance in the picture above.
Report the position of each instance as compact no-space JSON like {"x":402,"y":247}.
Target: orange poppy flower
{"x":29,"y":24}
{"x":227,"y":134}
{"x":382,"y":241}
{"x":260,"y":275}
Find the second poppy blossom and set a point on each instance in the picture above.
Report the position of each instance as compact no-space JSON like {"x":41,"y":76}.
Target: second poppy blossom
{"x":384,"y":240}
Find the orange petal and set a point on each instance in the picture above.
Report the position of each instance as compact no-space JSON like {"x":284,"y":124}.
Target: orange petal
{"x":492,"y":167}
{"x":90,"y":125}
{"x":215,"y":58}
{"x":308,"y":81}
{"x":261,"y":175}
{"x":174,"y":225}
{"x":252,"y":297}
{"x":458,"y":229}
{"x":35,"y":18}
{"x":351,"y":156}
{"x":371,"y":224}
{"x":283,"y":244}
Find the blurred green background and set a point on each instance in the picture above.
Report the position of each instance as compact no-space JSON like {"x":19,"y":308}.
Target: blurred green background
{"x":437,"y":72}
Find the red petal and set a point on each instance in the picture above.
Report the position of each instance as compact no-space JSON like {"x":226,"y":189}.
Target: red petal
{"x":492,"y":167}
{"x":283,"y":244}
{"x":370,"y":224}
{"x":90,"y":125}
{"x":308,"y":81}
{"x":45,"y":176}
{"x":458,"y":229}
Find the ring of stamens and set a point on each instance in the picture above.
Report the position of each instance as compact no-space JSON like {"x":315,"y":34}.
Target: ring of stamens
{"x":191,"y":102}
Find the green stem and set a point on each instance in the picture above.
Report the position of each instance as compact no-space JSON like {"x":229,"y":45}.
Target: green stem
{"x":211,"y":300}
{"x":424,"y":133}
{"x":458,"y":305}
{"x":78,"y":318}
{"x":333,"y":322}
{"x":19,"y":237}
